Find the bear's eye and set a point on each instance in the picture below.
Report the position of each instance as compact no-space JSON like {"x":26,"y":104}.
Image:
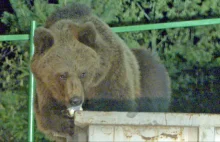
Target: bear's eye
{"x":64,"y":76}
{"x":83,"y":75}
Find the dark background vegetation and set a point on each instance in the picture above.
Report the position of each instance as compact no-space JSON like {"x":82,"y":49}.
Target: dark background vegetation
{"x":191,"y":55}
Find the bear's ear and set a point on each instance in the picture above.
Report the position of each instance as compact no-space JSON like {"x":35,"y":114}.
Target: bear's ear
{"x":43,"y":40}
{"x":87,"y":34}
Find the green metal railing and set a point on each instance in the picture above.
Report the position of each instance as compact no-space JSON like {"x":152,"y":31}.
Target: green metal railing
{"x":31,"y":77}
{"x":115,"y":29}
{"x":31,"y":88}
{"x":167,"y":25}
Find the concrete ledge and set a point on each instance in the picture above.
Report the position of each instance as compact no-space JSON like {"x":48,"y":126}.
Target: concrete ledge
{"x":84,"y":118}
{"x":142,"y":127}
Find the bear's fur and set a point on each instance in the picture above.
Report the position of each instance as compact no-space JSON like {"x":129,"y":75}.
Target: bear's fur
{"x":155,"y":82}
{"x":79,"y":60}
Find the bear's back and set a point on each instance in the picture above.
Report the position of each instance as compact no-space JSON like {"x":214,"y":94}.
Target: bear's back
{"x":74,"y":11}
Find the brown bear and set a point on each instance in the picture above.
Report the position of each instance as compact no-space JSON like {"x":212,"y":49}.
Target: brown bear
{"x":78,"y":60}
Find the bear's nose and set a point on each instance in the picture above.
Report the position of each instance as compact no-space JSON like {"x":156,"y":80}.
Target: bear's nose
{"x":75,"y":101}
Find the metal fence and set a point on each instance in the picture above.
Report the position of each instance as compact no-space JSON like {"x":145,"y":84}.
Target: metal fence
{"x":135,"y":28}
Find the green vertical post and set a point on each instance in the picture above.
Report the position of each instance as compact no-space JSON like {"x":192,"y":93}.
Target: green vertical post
{"x":31,"y":88}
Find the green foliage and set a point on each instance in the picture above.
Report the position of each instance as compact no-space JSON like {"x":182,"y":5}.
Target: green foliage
{"x":14,"y":66}
{"x":24,"y":14}
{"x":104,"y":9}
{"x":14,"y":117}
{"x":188,"y":55}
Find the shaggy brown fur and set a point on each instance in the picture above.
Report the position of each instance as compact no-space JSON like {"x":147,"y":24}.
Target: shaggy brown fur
{"x":155,"y":83}
{"x":78,"y":56}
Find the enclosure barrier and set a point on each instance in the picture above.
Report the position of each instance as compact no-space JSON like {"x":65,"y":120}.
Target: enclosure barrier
{"x":206,"y":131}
{"x":144,"y":127}
{"x":29,"y":37}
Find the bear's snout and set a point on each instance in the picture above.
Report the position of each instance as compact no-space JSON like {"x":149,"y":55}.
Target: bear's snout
{"x":75,"y":101}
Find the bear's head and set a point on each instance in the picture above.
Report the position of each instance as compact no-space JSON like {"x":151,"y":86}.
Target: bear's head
{"x":67,"y":61}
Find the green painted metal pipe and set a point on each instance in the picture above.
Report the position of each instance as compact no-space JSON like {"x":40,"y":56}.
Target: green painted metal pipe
{"x":14,"y":37}
{"x":31,"y":89}
{"x":182,"y":24}
{"x":136,"y":28}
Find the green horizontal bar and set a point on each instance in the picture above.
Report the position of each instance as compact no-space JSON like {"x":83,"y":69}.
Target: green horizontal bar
{"x":182,"y":24}
{"x":14,"y":37}
{"x":192,"y":23}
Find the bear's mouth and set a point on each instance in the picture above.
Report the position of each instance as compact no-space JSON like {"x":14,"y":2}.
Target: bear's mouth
{"x":73,"y":109}
{"x":69,"y":112}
